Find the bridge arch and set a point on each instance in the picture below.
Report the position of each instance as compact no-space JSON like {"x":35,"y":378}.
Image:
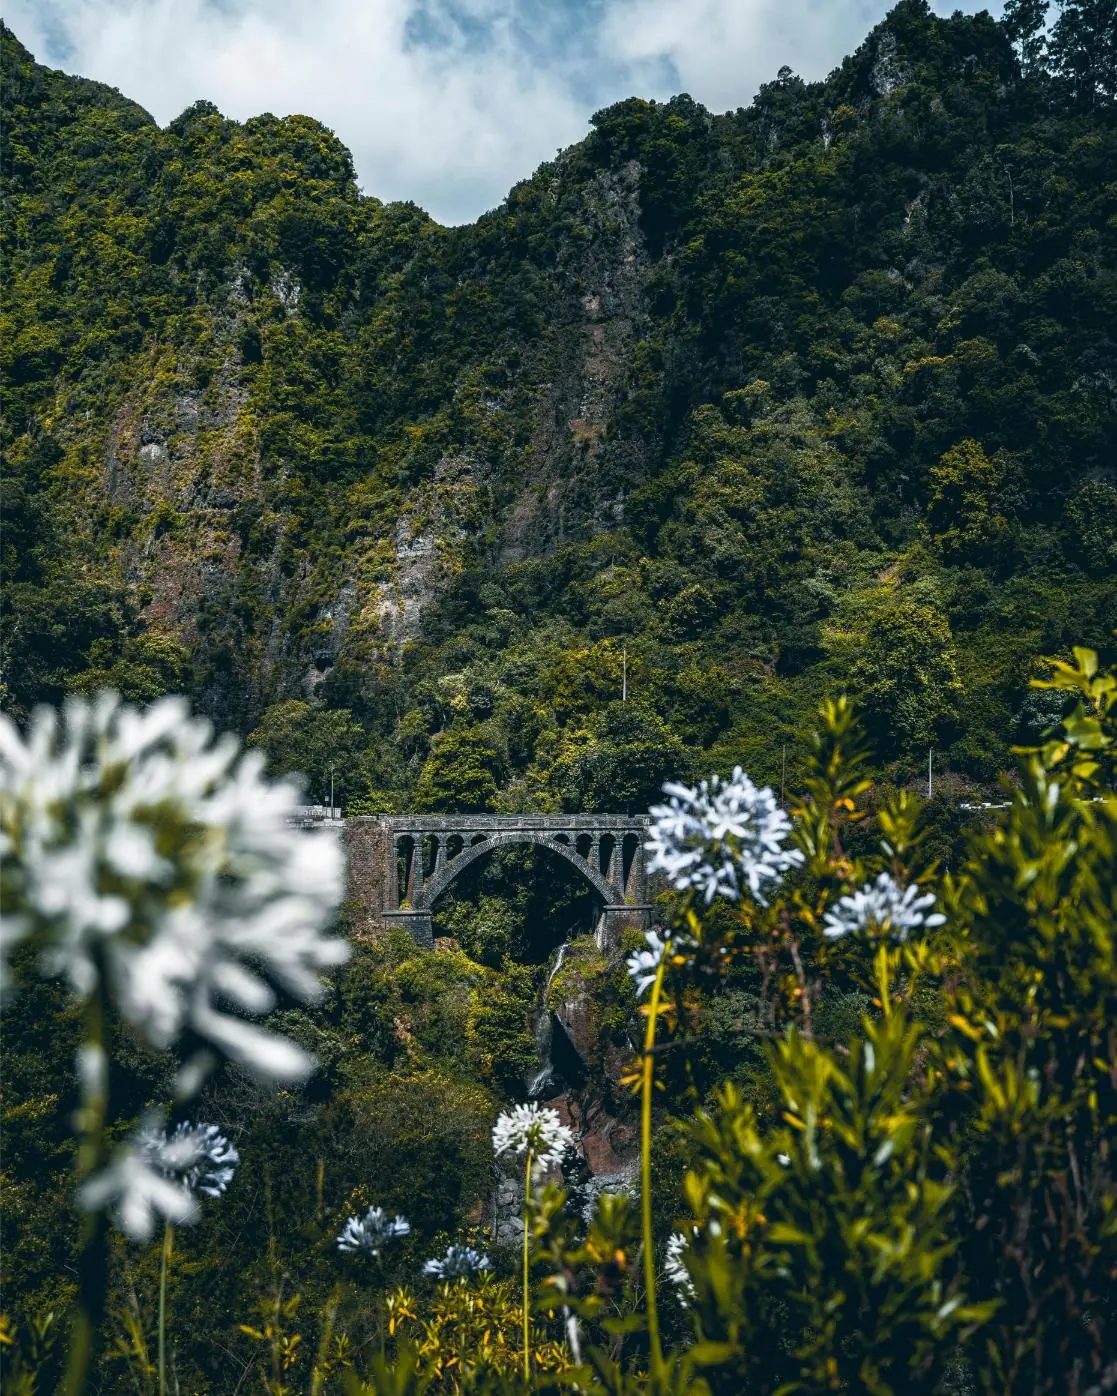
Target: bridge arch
{"x":439,"y":883}
{"x":399,"y":865}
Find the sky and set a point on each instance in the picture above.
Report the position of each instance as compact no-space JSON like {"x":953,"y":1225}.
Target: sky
{"x":444,"y":102}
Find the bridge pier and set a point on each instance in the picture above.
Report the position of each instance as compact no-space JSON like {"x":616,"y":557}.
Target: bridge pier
{"x":419,"y":923}
{"x":615,"y":920}
{"x":380,"y":848}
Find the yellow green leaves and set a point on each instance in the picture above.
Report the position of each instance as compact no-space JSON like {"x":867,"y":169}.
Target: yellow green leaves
{"x":1085,"y":744}
{"x":1029,"y":1061}
{"x":840,"y":1221}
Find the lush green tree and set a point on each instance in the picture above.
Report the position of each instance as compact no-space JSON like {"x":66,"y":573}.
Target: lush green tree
{"x":316,"y":743}
{"x":964,"y":514}
{"x":907,"y":676}
{"x":461,"y":771}
{"x":1024,"y":22}
{"x":1091,"y":514}
{"x":1083,"y":49}
{"x":619,"y":762}
{"x":148,"y":666}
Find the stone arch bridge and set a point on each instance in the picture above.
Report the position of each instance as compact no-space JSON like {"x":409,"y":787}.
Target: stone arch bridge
{"x":399,"y":865}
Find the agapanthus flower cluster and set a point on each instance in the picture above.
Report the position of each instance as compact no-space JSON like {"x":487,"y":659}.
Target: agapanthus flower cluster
{"x":459,"y":1263}
{"x":200,"y":1157}
{"x":156,"y":1175}
{"x":721,"y":838}
{"x":369,"y":1234}
{"x":885,"y":907}
{"x":534,"y":1129}
{"x":142,"y":856}
{"x":138,"y":1193}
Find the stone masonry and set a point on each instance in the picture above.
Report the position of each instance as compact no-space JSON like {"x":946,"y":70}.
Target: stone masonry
{"x":400,"y":864}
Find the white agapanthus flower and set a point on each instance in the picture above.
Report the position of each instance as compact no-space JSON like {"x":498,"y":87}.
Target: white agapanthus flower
{"x":372,"y":1232}
{"x":673,"y":1268}
{"x":532,"y":1128}
{"x":642,"y":965}
{"x":138,"y":1193}
{"x":459,"y":1263}
{"x":144,"y":857}
{"x":721,"y":838}
{"x":198,"y":1156}
{"x":883,"y":906}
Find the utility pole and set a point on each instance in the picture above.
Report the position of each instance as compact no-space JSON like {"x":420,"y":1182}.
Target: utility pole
{"x":930,"y":774}
{"x":624,"y":674}
{"x":331,"y":792}
{"x":783,"y":771}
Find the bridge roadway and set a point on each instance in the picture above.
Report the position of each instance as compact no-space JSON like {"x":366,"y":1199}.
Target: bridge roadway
{"x":399,"y":865}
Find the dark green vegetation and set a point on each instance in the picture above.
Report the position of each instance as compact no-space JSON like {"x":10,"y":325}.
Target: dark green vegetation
{"x":889,"y":1154}
{"x":416,"y":1052}
{"x":816,"y":396}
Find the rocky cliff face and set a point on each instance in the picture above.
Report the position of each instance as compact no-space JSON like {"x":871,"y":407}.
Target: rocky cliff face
{"x":585,"y":1041}
{"x":257,"y":389}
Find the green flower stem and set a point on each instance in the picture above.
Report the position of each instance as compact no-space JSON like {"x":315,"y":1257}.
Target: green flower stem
{"x":321,"y":1362}
{"x":527,"y":1272}
{"x":168,"y":1241}
{"x":654,"y":1348}
{"x":883,"y":968}
{"x":93,"y":1255}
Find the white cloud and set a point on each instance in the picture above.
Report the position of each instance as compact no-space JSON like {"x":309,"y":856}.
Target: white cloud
{"x":447,"y":102}
{"x":722,"y":51}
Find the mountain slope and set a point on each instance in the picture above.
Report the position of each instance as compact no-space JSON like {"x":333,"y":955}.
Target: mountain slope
{"x":818,"y":394}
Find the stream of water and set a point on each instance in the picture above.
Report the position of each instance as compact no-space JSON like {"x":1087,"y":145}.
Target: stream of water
{"x":544,"y":1032}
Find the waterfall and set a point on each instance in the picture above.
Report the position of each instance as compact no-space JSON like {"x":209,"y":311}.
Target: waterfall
{"x":544,"y":1032}
{"x":563,"y":948}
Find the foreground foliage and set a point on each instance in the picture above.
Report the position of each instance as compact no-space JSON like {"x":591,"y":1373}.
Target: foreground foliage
{"x":912,"y":1189}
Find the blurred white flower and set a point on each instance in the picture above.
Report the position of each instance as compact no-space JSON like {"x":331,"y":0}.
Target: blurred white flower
{"x":883,"y":906}
{"x":198,"y":1156}
{"x":138,"y":1193}
{"x":372,"y":1232}
{"x":148,"y":858}
{"x":643,"y":964}
{"x":534,"y":1129}
{"x":459,"y":1263}
{"x":673,"y":1267}
{"x":721,"y":837}
{"x":784,"y":1160}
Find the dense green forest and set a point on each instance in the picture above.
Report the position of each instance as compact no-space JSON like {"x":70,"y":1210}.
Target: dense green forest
{"x":818,"y":393}
{"x":717,"y":415}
